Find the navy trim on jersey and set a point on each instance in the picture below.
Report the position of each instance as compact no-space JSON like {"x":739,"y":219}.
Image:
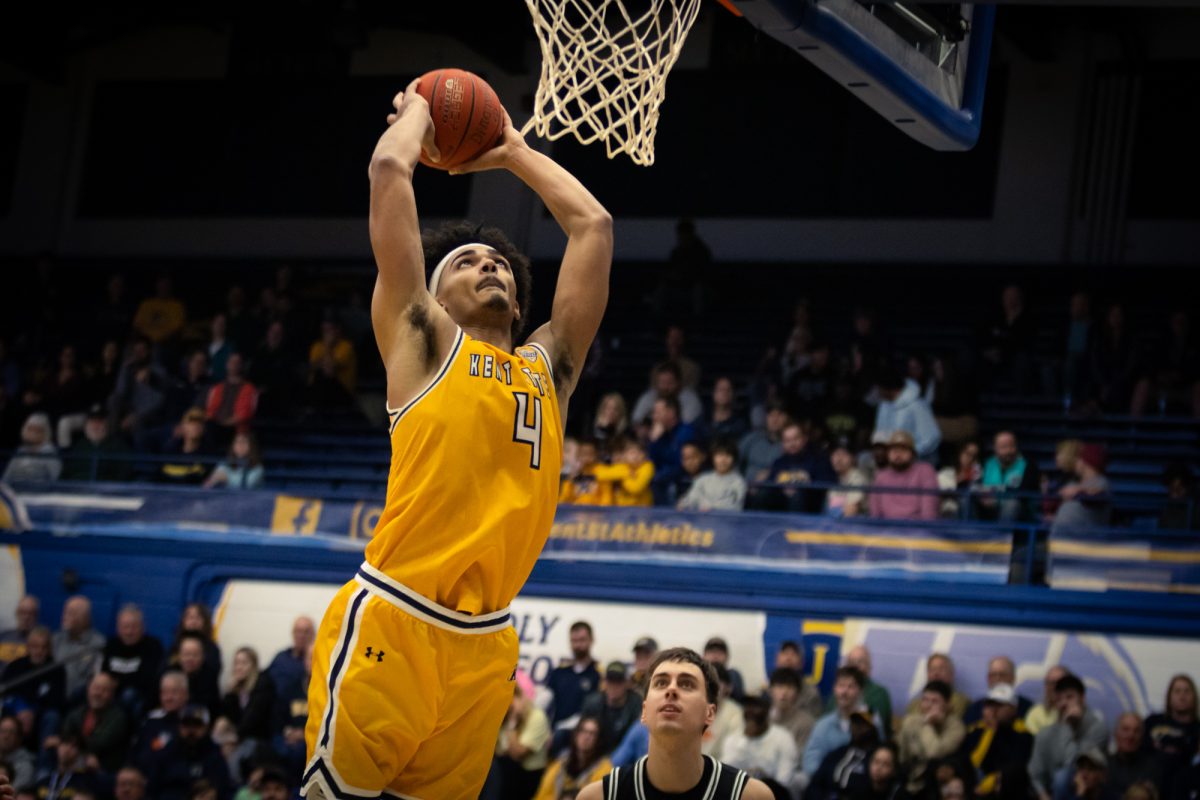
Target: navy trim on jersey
{"x":430,"y":609}
{"x":396,"y":415}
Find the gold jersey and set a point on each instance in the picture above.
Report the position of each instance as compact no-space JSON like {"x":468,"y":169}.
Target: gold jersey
{"x":474,"y":478}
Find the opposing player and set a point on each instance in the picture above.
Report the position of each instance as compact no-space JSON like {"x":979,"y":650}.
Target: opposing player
{"x":681,"y":702}
{"x":414,"y":663}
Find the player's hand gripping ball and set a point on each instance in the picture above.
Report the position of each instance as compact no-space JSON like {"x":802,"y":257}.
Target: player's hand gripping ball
{"x":468,"y":119}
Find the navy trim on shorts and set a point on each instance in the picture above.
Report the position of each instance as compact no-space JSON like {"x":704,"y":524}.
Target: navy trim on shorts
{"x":338,"y":791}
{"x":431,"y":610}
{"x":347,"y":635}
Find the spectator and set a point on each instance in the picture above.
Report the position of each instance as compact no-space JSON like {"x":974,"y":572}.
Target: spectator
{"x":274,"y":785}
{"x":275,"y":370}
{"x":102,"y":378}
{"x":1044,"y":714}
{"x":161,"y":725}
{"x":833,"y":730}
{"x":631,"y":474}
{"x":14,"y":754}
{"x":12,"y":642}
{"x":1130,"y":763}
{"x":758,"y":449}
{"x":66,"y":394}
{"x":875,"y":459}
{"x":101,"y":724}
{"x":729,"y":718}
{"x":902,"y":409}
{"x":911,"y":483}
{"x":801,"y":463}
{"x":1000,"y":671}
{"x":290,"y":719}
{"x":846,"y":415}
{"x":78,"y":646}
{"x":1186,"y":785}
{"x":202,"y":681}
{"x":961,"y":478}
{"x":1086,"y":502}
{"x":791,"y":656}
{"x":1174,"y":733}
{"x":847,"y":763}
{"x":667,"y":437}
{"x":716,"y":652}
{"x":37,"y":458}
{"x":786,"y":709}
{"x":190,"y":756}
{"x":1009,"y":343}
{"x":810,"y":388}
{"x":135,"y":659}
{"x":242,"y":328}
{"x":611,"y":422}
{"x":187,"y":452}
{"x":130,"y":784}
{"x":242,"y":468}
{"x":70,"y":776}
{"x":846,"y":503}
{"x":667,"y":385}
{"x":232,"y":402}
{"x":725,"y":421}
{"x":1115,"y":363}
{"x":161,"y":317}
{"x":644,"y":651}
{"x":219,"y":348}
{"x":796,"y":352}
{"x":97,"y":455}
{"x":1173,"y":380}
{"x":249,"y":701}
{"x":1078,"y":348}
{"x":38,"y":702}
{"x":1089,"y":780}
{"x":932,"y":734}
{"x":634,"y":745}
{"x":882,"y":780}
{"x":1006,"y":473}
{"x":332,"y":369}
{"x":955,"y":401}
{"x":521,"y":747}
{"x":575,"y":678}
{"x":583,"y":763}
{"x":113,"y":313}
{"x":875,"y":696}
{"x":998,"y":740}
{"x":287,"y":670}
{"x":674,"y":344}
{"x":761,"y":749}
{"x":616,"y":705}
{"x":939,"y":667}
{"x":196,"y":618}
{"x":719,"y":489}
{"x":1077,"y":730}
{"x":136,"y":404}
{"x":1179,"y":511}
{"x":582,"y":486}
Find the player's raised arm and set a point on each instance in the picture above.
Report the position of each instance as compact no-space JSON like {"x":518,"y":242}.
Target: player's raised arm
{"x":582,"y":291}
{"x":401,"y":311}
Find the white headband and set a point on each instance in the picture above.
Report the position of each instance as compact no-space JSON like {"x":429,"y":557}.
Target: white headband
{"x":436,"y":277}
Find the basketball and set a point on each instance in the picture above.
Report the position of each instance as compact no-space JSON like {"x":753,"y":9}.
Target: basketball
{"x":467,"y":116}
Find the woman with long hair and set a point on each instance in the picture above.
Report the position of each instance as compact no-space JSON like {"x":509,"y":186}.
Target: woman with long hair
{"x":242,"y":467}
{"x":197,"y":619}
{"x":611,"y":422}
{"x":249,"y":696}
{"x":1175,"y":732}
{"x":582,"y":764}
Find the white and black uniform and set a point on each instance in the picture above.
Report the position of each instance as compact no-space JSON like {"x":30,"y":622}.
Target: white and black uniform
{"x":718,"y":782}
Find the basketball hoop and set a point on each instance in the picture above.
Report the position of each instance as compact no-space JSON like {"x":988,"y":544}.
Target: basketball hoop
{"x":604,"y":70}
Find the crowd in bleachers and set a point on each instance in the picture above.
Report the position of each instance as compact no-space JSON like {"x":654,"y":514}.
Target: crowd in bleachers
{"x":127,"y":717}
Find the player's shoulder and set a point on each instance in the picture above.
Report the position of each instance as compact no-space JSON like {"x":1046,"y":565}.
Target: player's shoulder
{"x":755,"y":789}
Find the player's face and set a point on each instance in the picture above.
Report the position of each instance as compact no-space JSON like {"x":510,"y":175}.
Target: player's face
{"x":676,"y":700}
{"x":478,"y":280}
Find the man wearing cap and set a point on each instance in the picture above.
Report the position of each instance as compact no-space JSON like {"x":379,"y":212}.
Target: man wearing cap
{"x":97,"y":455}
{"x":190,"y":757}
{"x":716,"y":651}
{"x":910,"y":485}
{"x":1000,"y":670}
{"x":616,"y":705}
{"x":1090,"y":780}
{"x":644,"y":651}
{"x":998,"y":739}
{"x":1085,"y":502}
{"x":931,"y":735}
{"x":1055,"y":748}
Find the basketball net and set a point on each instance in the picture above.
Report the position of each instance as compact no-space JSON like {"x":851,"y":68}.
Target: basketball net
{"x":604,"y":71}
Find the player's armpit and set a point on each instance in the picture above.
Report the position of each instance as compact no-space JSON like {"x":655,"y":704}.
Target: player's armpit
{"x":562,"y":361}
{"x":413,"y":340}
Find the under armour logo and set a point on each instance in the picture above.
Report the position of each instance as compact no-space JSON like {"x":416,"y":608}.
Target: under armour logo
{"x":371,"y":652}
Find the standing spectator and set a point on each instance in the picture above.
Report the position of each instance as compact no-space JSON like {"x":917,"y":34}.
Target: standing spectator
{"x":232,"y":402}
{"x":611,"y":422}
{"x":667,"y":384}
{"x":189,"y":757}
{"x":1174,"y":732}
{"x":1078,"y":730}
{"x":135,"y":659}
{"x":1115,"y":363}
{"x":786,"y":709}
{"x":674,"y":344}
{"x":287,"y":670}
{"x":40,"y":700}
{"x":12,"y":642}
{"x":716,"y":652}
{"x":940,"y":668}
{"x":725,"y":421}
{"x":761,"y":749}
{"x":668,"y":435}
{"x":1045,"y":713}
{"x":583,"y":486}
{"x":161,"y":724}
{"x":1000,"y":671}
{"x":1179,"y":512}
{"x":188,"y":452}
{"x":1008,"y":344}
{"x":998,"y":741}
{"x":242,"y":467}
{"x":847,"y":763}
{"x":758,"y":449}
{"x":137,"y":402}
{"x":833,"y":730}
{"x":719,"y":489}
{"x":575,"y":678}
{"x":332,"y":359}
{"x":78,"y":646}
{"x":846,"y":503}
{"x":97,"y":455}
{"x":1085,"y":503}
{"x":963,"y":477}
{"x":37,"y":457}
{"x":928,"y":736}
{"x":901,"y":408}
{"x":1005,"y":473}
{"x":101,"y":724}
{"x":250,"y":698}
{"x":275,"y":370}
{"x":583,"y":763}
{"x":801,"y":463}
{"x":521,"y":747}
{"x":219,"y":348}
{"x":14,"y":754}
{"x":1078,"y":348}
{"x":617,"y":705}
{"x":882,"y":780}
{"x":876,"y":697}
{"x":913,"y":483}
{"x":1130,"y":763}
{"x":161,"y":317}
{"x":631,"y":474}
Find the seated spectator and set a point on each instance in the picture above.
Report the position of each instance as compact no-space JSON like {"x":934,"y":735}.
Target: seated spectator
{"x":955,"y":402}
{"x":725,"y":421}
{"x":846,"y":503}
{"x":1171,"y":382}
{"x":100,"y":723}
{"x":758,"y":449}
{"x":189,"y":757}
{"x":633,"y":746}
{"x":718,"y":489}
{"x":332,"y":369}
{"x":36,"y":459}
{"x":232,"y":402}
{"x":693,"y":458}
{"x":250,"y":698}
{"x":187,"y":452}
{"x":833,"y":730}
{"x":675,"y":344}
{"x":902,"y":409}
{"x":192,"y":390}
{"x":668,"y":435}
{"x":846,"y":763}
{"x":1080,"y":330}
{"x":801,"y":463}
{"x":786,"y":709}
{"x":667,"y":386}
{"x":38,"y":703}
{"x":1178,"y":512}
{"x":78,"y":646}
{"x":611,"y":423}
{"x":716,"y":652}
{"x":161,"y":724}
{"x":1056,"y":747}
{"x":130,"y":784}
{"x":1044,"y":714}
{"x":791,"y":656}
{"x":1129,"y":763}
{"x":810,"y":388}
{"x":882,"y":780}
{"x":1115,"y":363}
{"x":523,"y":742}
{"x":874,"y":459}
{"x":97,"y":455}
{"x":196,"y":618}
{"x":12,"y":641}
{"x":135,"y":659}
{"x":760,"y":748}
{"x":939,"y":667}
{"x":998,"y":740}
{"x":631,"y":474}
{"x":1008,"y":345}
{"x":274,"y":785}
{"x":275,"y":370}
{"x":876,"y":697}
{"x":65,"y":390}
{"x":1005,"y":473}
{"x":1089,"y":780}
{"x":242,"y":468}
{"x":1086,"y":502}
{"x":932,"y":734}
{"x":287,"y":670}
{"x":583,"y":763}
{"x":1174,"y":733}
{"x":219,"y":348}
{"x":728,"y":720}
{"x":14,"y":754}
{"x":70,"y":775}
{"x":911,"y":484}
{"x":137,"y":403}
{"x":582,"y":486}
{"x":644,"y":651}
{"x":616,"y":704}
{"x":846,"y":416}
{"x":202,"y":682}
{"x":1000,"y":670}
{"x":963,"y":477}
{"x":160,"y":318}
{"x":290,"y":719}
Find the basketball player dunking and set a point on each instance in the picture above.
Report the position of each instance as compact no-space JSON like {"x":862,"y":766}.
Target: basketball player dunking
{"x":414,"y":663}
{"x":681,"y":702}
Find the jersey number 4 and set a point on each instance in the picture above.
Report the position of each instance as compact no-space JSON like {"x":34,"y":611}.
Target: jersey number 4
{"x":525,"y":433}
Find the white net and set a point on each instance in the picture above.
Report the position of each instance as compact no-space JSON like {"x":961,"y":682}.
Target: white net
{"x":604,"y":70}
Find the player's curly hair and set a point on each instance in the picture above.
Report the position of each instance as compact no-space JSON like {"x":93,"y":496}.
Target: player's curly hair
{"x":438,"y":242}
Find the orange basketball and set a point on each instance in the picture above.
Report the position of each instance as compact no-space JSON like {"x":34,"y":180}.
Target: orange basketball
{"x":467,"y":116}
